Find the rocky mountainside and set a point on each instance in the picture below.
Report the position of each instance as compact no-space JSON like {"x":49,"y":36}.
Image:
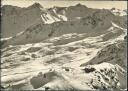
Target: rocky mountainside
{"x":114,"y":54}
{"x":16,"y":19}
{"x":63,"y":48}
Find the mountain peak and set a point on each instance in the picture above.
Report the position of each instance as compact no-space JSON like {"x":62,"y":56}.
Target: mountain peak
{"x":80,"y":5}
{"x":36,"y":5}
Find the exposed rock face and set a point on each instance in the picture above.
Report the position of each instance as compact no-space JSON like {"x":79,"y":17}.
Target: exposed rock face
{"x":16,"y":19}
{"x":114,"y":53}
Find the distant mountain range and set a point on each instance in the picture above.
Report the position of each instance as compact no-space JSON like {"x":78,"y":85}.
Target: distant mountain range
{"x":16,"y":19}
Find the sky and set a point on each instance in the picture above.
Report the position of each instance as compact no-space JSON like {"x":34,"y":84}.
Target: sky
{"x":65,"y":3}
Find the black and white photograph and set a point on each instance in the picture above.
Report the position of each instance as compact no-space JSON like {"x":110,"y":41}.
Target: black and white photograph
{"x":63,"y":45}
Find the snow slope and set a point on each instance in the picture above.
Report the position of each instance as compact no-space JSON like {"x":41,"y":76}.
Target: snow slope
{"x":66,"y":50}
{"x":67,"y":56}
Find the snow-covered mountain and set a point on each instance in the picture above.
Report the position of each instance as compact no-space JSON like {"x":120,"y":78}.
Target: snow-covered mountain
{"x":16,"y":19}
{"x":63,"y":48}
{"x":119,"y":12}
{"x":89,"y":20}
